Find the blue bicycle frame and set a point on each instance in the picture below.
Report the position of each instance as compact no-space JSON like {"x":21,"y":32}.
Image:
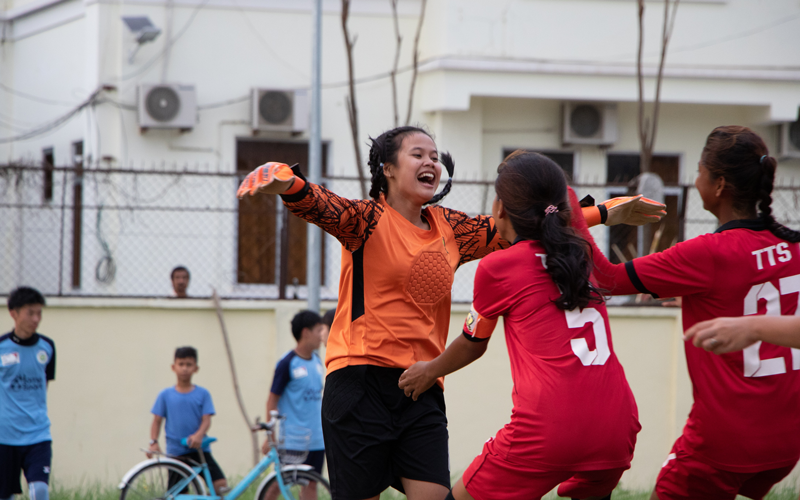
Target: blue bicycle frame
{"x":271,"y":458}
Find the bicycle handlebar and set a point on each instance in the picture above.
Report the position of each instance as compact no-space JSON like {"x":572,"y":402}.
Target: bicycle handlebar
{"x":268,"y":426}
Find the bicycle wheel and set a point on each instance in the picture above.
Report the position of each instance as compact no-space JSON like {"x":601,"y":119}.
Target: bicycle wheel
{"x":154,"y":481}
{"x":307,"y":483}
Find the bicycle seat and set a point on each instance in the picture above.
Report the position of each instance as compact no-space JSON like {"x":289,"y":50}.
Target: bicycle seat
{"x":206,"y":441}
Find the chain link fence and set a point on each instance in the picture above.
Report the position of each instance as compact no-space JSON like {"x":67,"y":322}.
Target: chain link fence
{"x":72,"y":231}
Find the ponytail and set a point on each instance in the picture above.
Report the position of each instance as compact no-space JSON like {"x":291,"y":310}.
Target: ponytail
{"x":768,"y":165}
{"x":740,"y":156}
{"x":533,"y":190}
{"x":384,"y":148}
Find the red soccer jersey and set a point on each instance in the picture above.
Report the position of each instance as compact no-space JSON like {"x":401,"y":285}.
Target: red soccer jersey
{"x":746,"y":412}
{"x":573,"y":408}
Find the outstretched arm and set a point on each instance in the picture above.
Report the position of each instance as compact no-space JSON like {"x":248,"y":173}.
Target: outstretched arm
{"x":465,"y":349}
{"x":721,"y":335}
{"x":423,"y":374}
{"x":350,"y":221}
{"x":631,"y":210}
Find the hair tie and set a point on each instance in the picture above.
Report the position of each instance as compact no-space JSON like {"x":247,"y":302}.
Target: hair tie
{"x":381,"y":165}
{"x":550,"y":210}
{"x":761,"y":161}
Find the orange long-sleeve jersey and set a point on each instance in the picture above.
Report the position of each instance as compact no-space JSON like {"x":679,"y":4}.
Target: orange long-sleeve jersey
{"x":394,"y":287}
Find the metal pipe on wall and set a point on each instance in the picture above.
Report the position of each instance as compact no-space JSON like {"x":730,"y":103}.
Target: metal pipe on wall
{"x":314,"y":253}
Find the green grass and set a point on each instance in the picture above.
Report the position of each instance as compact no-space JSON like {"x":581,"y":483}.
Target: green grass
{"x":96,"y":491}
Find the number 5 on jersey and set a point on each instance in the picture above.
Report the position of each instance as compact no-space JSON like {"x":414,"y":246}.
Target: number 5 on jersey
{"x":578,"y":319}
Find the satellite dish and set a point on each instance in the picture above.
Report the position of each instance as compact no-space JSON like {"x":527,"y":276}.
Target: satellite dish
{"x":162,"y":103}
{"x":275,"y":107}
{"x":651,"y":186}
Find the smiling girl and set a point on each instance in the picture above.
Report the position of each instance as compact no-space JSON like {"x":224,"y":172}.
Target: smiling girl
{"x":402,"y":251}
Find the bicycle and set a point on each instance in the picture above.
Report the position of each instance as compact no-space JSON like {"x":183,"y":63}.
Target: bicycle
{"x":166,"y":478}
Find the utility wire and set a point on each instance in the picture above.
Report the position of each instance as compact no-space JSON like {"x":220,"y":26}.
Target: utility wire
{"x":52,"y":125}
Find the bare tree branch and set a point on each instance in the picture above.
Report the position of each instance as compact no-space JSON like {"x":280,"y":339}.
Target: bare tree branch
{"x":253,"y":437}
{"x":640,"y":81}
{"x":666,"y":34}
{"x":350,"y":101}
{"x":649,"y":127}
{"x":416,"y":61}
{"x":393,"y":73}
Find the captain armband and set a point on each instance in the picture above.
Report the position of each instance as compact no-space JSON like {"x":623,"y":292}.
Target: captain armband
{"x":477,"y":328}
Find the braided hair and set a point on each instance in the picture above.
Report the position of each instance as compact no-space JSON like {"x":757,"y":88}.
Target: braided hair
{"x":740,"y":156}
{"x":384,"y":148}
{"x":533,"y":190}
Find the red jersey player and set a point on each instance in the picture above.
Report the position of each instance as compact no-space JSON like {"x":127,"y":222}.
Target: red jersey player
{"x":574,"y":421}
{"x":400,"y":252}
{"x":742,"y":433}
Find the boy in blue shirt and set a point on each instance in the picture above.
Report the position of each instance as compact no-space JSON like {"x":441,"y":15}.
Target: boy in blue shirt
{"x":297,"y":388}
{"x":187,"y":409}
{"x":27,"y":365}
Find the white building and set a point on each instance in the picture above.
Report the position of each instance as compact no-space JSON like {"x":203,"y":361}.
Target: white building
{"x":492,"y":78}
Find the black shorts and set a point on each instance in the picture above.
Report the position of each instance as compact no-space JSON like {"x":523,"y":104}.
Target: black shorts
{"x":316,"y":459}
{"x":375,"y":435}
{"x":34,"y":460}
{"x":213,"y":467}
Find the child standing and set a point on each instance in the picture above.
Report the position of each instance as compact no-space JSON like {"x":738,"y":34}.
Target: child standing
{"x":297,"y":391}
{"x":187,"y":409}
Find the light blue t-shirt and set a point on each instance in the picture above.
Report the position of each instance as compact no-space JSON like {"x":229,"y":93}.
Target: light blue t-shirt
{"x":298,"y":382}
{"x":25,"y":368}
{"x":183,"y":414}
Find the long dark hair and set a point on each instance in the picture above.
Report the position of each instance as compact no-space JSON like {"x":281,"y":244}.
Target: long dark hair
{"x":384,"y":149}
{"x":740,"y":156}
{"x":531,"y":187}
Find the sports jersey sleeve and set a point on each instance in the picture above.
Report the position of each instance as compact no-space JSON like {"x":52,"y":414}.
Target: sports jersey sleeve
{"x":476,"y":237}
{"x":687,"y":268}
{"x":612,"y":279}
{"x":208,"y":404}
{"x":349,"y":221}
{"x":50,"y":369}
{"x":160,"y":406}
{"x":283,"y":376}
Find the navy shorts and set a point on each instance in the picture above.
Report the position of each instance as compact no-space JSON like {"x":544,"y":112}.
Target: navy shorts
{"x":375,"y":435}
{"x":316,"y":459}
{"x":33,"y":459}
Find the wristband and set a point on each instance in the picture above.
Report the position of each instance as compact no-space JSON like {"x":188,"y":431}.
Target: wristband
{"x":153,"y":441}
{"x":603,"y":213}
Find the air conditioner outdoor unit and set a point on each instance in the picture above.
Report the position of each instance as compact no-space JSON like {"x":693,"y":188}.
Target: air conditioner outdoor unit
{"x":590,"y":123}
{"x":167,"y":105}
{"x":280,"y":110}
{"x":790,"y":139}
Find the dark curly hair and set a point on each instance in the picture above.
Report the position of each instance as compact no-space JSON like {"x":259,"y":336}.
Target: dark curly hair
{"x":384,"y":148}
{"x":527,"y":184}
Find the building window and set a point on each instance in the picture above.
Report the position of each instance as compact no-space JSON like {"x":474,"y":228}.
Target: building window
{"x":629,"y":242}
{"x":48,"y":164}
{"x":271,"y":242}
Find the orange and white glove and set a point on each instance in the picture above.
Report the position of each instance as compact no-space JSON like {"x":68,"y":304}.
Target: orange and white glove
{"x":270,"y":178}
{"x":631,"y":210}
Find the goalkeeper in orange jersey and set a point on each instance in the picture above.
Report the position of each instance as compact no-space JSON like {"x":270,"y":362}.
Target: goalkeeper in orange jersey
{"x":400,"y":252}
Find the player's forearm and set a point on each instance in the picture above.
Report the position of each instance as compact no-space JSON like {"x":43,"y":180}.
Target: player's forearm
{"x":458,"y":354}
{"x":778,"y":330}
{"x":155,"y":429}
{"x":272,"y":403}
{"x":205,"y":424}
